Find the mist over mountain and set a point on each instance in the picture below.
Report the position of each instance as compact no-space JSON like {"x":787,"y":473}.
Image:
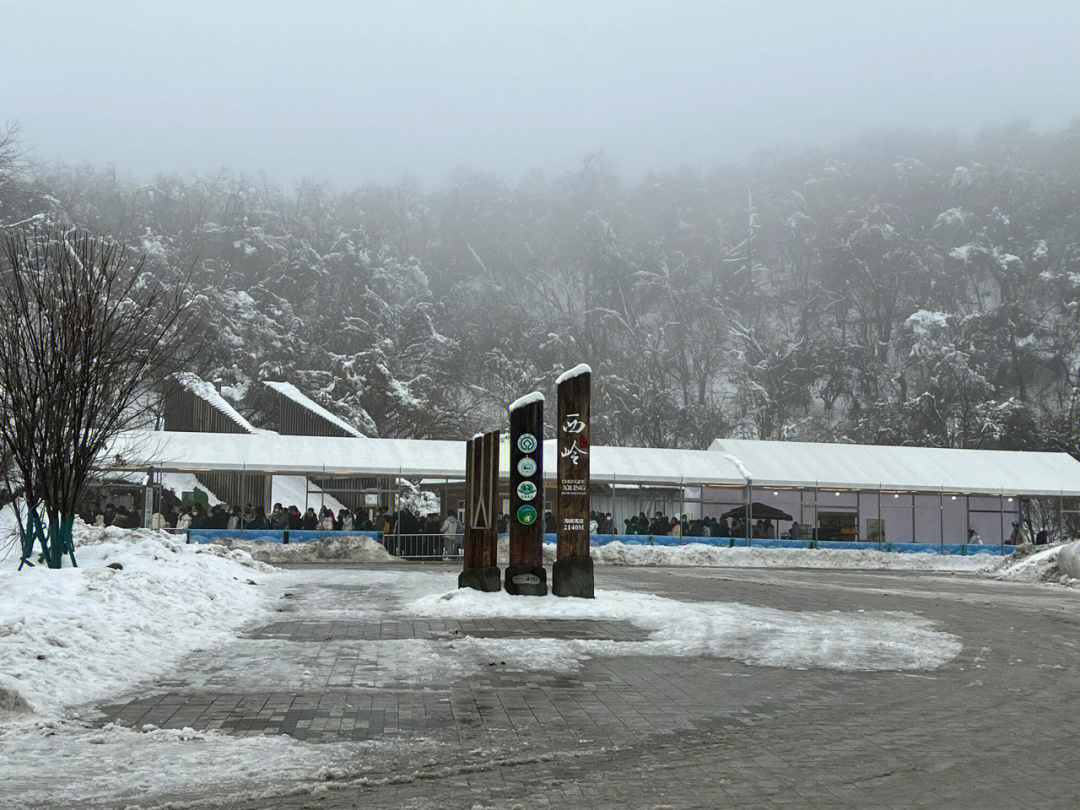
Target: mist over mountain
{"x":899,"y":288}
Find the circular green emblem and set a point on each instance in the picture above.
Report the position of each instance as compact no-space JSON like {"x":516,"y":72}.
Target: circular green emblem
{"x":526,"y":515}
{"x":526,"y":490}
{"x":526,"y":467}
{"x":526,"y":442}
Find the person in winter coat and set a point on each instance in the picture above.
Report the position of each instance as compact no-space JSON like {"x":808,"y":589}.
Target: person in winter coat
{"x":1042,"y":538}
{"x":183,"y":520}
{"x":293,"y":519}
{"x":310,"y":521}
{"x":326,"y":520}
{"x":550,"y":526}
{"x":279,"y":518}
{"x":344,"y":522}
{"x":234,"y":521}
{"x":451,"y":534}
{"x":973,"y":538}
{"x":660,"y":525}
{"x":1017,"y":536}
{"x":259,"y":521}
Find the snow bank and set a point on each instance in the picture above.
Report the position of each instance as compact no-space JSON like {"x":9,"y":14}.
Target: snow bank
{"x":82,"y":635}
{"x":751,"y":634}
{"x":138,"y":603}
{"x":346,"y":548}
{"x":698,"y":555}
{"x":1055,"y":564}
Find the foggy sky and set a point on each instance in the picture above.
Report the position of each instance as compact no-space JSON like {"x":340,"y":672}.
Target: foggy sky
{"x":352,"y":92}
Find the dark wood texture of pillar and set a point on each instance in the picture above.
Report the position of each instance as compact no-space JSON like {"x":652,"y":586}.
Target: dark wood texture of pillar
{"x":481,"y":495}
{"x":525,"y":574}
{"x":572,"y":574}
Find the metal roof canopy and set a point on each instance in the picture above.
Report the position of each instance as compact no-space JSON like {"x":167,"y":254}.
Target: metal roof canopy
{"x":905,"y":469}
{"x":729,"y":462}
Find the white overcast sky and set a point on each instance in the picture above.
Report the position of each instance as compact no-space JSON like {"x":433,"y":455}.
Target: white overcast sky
{"x":352,"y":92}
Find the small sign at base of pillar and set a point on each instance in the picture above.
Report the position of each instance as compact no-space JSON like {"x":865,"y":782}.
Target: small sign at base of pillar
{"x":481,"y":570}
{"x":525,"y":575}
{"x":572,"y":574}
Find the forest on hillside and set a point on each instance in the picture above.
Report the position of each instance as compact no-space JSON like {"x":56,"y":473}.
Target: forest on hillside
{"x":898,"y":289}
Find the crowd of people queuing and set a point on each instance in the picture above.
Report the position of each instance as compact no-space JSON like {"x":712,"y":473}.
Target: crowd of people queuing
{"x":683,"y":526}
{"x":430,"y":530}
{"x":444,"y":533}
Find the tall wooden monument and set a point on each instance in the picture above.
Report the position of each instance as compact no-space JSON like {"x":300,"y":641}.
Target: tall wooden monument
{"x":525,"y":574}
{"x":572,"y":574}
{"x":481,"y":498}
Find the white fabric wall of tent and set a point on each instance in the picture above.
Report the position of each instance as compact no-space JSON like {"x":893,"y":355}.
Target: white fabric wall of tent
{"x":921,"y":494}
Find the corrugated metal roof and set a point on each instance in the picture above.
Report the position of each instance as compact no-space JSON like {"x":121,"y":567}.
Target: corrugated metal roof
{"x":290,"y":391}
{"x":915,"y":469}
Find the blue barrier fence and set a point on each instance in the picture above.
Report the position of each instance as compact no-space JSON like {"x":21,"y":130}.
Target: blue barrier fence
{"x":298,"y":536}
{"x":271,"y":535}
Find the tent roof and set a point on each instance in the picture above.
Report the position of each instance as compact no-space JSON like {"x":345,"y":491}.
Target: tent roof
{"x":427,"y":458}
{"x":728,"y":463}
{"x":912,"y":469}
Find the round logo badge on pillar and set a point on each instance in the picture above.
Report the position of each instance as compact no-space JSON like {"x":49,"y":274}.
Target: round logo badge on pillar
{"x":526,"y":442}
{"x":526,"y":515}
{"x":526,"y":490}
{"x":526,"y":467}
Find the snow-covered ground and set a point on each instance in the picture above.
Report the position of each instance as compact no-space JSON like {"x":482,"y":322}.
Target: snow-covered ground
{"x":136,"y":606}
{"x":1035,"y":564}
{"x":697,"y":555}
{"x":141,"y":603}
{"x":753,"y":635}
{"x":673,"y":628}
{"x":138,"y":602}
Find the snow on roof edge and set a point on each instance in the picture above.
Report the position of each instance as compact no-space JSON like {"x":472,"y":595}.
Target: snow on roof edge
{"x":742,"y":467}
{"x":576,"y":371}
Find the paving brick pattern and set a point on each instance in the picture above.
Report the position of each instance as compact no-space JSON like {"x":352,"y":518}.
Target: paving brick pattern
{"x":997,"y":727}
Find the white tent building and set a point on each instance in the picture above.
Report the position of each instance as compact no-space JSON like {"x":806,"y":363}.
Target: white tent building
{"x":839,"y":491}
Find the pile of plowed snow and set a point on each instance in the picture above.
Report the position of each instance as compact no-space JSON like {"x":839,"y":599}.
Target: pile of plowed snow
{"x":698,"y":555}
{"x":1057,"y":564}
{"x":346,"y":548}
{"x":138,"y":602}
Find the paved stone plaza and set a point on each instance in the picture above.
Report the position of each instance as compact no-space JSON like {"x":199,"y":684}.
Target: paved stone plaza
{"x":999,"y":726}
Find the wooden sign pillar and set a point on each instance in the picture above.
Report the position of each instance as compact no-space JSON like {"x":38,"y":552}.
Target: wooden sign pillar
{"x":481,"y":496}
{"x":572,"y":574}
{"x":525,"y":575}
